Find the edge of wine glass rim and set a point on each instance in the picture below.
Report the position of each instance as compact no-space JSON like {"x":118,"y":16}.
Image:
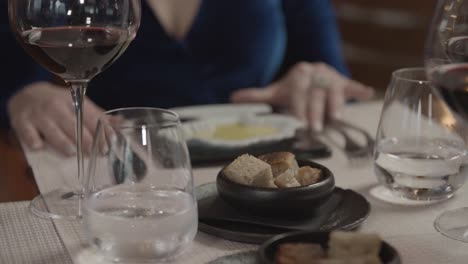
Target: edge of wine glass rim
{"x":402,"y":74}
{"x":172,"y":117}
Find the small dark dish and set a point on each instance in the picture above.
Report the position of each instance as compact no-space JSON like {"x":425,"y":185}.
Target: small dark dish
{"x":266,"y":253}
{"x":287,"y":202}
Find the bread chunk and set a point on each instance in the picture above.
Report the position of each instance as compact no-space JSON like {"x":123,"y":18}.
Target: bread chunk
{"x":352,"y":244}
{"x":352,"y":260}
{"x":344,"y":248}
{"x":249,"y":170}
{"x":307,"y":175}
{"x":264,"y":180}
{"x":287,"y":179}
{"x":280,"y":162}
{"x":298,"y":253}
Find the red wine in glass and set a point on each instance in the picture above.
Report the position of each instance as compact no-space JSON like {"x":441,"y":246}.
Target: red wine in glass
{"x":446,"y":62}
{"x":451,"y":80}
{"x":76,"y":53}
{"x":76,"y":40}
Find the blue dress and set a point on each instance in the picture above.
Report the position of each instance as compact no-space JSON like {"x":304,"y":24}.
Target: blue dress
{"x":231,"y":44}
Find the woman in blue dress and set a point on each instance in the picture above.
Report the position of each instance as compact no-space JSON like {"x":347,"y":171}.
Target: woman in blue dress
{"x":282,"y":52}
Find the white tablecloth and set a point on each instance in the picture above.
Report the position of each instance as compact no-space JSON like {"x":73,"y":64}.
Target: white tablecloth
{"x":408,"y":228}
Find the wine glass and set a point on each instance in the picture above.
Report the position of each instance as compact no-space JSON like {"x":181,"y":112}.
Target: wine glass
{"x":446,"y":62}
{"x":76,"y":40}
{"x":139,"y":203}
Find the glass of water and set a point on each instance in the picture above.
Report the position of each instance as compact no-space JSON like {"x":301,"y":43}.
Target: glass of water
{"x":420,"y":153}
{"x":139,"y":203}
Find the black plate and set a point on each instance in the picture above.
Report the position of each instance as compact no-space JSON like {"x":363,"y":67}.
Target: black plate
{"x":346,"y":210}
{"x":266,"y":253}
{"x":202,"y":154}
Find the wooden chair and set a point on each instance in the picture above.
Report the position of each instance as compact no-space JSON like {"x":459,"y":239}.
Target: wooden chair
{"x":380,"y":36}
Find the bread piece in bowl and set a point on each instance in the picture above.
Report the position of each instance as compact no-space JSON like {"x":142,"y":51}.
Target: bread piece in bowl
{"x":287,"y":179}
{"x":249,"y":170}
{"x":310,"y":253}
{"x":349,"y":260}
{"x":280,"y":162}
{"x":264,"y":180}
{"x":351,"y":244}
{"x":298,"y":253}
{"x":307,"y":175}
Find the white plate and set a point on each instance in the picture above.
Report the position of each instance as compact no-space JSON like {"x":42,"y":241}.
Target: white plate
{"x":216,"y":110}
{"x":199,"y":131}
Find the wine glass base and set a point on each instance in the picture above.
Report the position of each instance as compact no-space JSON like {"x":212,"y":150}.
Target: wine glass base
{"x":58,"y":204}
{"x":453,"y":224}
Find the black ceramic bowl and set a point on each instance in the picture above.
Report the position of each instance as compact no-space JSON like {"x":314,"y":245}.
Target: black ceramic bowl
{"x":266,"y":253}
{"x":287,"y":202}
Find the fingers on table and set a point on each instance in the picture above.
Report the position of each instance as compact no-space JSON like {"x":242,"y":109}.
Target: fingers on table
{"x":359,"y":91}
{"x":55,"y":136}
{"x":56,"y":128}
{"x":27,"y":133}
{"x":253,"y":95}
{"x":335,"y":101}
{"x":316,"y":108}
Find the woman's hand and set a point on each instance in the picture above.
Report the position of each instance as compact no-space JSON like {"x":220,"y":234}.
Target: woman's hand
{"x":310,"y":91}
{"x":43,"y":113}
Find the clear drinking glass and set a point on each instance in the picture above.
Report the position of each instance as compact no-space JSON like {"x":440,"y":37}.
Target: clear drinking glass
{"x":139,"y":202}
{"x":420,"y":151}
{"x":76,"y":40}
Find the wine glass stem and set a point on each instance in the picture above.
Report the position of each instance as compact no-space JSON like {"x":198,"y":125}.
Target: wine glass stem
{"x":78,"y":91}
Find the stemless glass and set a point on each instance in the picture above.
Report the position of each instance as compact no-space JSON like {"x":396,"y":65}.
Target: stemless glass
{"x":139,"y":202}
{"x":420,"y":151}
{"x":446,"y":61}
{"x":76,"y":40}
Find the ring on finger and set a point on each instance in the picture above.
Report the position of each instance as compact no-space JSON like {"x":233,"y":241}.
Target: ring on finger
{"x":320,"y":81}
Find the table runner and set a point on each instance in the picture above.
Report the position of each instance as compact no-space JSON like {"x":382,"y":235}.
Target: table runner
{"x":204,"y":249}
{"x":408,"y":228}
{"x":28,"y":239}
{"x":25,"y":239}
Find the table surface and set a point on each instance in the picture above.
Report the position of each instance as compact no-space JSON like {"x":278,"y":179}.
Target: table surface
{"x":408,"y":228}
